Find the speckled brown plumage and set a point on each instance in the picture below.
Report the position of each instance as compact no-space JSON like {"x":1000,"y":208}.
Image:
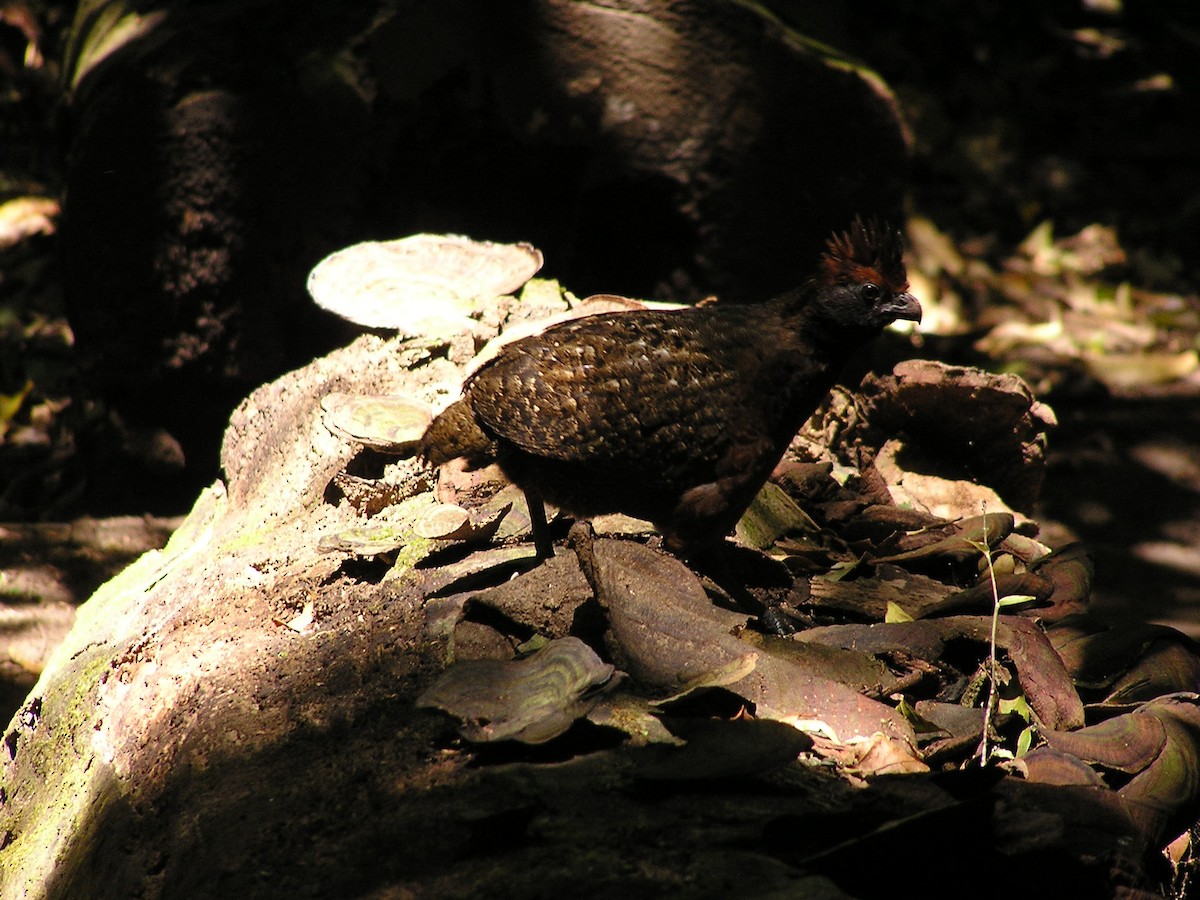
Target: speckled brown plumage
{"x":674,"y":416}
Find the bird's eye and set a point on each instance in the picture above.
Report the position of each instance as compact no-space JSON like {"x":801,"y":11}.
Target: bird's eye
{"x":871,"y":292}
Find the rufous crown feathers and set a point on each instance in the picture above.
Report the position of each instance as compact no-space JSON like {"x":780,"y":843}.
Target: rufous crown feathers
{"x":870,"y":251}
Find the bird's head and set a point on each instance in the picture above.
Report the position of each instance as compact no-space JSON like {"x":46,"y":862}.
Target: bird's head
{"x":861,"y":284}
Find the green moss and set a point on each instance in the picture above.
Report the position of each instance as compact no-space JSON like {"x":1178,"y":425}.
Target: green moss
{"x":411,"y":553}
{"x":63,"y":820}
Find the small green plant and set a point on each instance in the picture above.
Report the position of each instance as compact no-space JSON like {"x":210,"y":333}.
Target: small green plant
{"x":1025,"y":740}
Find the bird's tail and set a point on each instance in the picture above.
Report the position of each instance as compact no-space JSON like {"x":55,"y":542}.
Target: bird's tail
{"x":456,"y":433}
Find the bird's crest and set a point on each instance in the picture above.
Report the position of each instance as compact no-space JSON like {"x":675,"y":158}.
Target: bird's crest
{"x":870,"y":251}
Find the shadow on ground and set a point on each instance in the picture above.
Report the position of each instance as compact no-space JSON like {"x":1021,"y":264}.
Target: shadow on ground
{"x":1124,"y":477}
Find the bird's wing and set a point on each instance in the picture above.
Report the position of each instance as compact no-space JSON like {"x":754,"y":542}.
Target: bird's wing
{"x":617,"y":387}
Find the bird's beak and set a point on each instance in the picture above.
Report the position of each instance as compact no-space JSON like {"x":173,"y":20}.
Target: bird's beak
{"x":905,"y":306}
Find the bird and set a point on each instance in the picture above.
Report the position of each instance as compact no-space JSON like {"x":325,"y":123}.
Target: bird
{"x":673,"y":416}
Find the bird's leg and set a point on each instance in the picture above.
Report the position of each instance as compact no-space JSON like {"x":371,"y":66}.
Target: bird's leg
{"x":540,"y":529}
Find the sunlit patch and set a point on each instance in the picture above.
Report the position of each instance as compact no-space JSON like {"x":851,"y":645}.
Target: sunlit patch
{"x":1174,"y":460}
{"x":1178,"y":557}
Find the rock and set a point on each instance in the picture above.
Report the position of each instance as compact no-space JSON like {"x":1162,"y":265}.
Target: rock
{"x":965,"y":423}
